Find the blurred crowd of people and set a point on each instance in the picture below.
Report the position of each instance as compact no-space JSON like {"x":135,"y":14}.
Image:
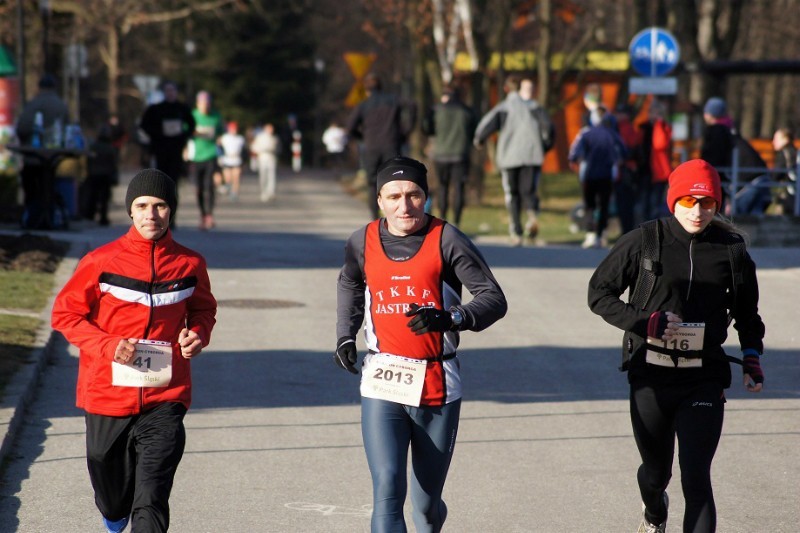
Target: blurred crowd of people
{"x":622,"y":160}
{"x":624,"y":166}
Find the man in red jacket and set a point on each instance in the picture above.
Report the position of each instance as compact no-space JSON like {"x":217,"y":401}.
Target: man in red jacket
{"x":139,"y":309}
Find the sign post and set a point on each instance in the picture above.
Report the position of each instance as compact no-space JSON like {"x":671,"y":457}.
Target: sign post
{"x":654,"y":53}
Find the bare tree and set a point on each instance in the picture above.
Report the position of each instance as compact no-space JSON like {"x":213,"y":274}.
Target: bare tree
{"x":447,"y":36}
{"x":116,"y":19}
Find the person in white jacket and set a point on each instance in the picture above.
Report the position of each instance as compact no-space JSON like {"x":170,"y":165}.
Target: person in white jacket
{"x":265,"y":147}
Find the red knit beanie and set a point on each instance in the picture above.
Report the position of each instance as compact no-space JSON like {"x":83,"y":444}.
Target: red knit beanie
{"x":695,"y":177}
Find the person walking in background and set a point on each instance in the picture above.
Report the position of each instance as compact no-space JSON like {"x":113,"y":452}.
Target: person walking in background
{"x":140,"y":296}
{"x":786,"y":158}
{"x":169,"y":125}
{"x":335,"y":140}
{"x":596,"y":154}
{"x":50,"y":110}
{"x":232,"y":144}
{"x":626,"y":185}
{"x":119,"y":135}
{"x":102,"y":174}
{"x":520,"y":153}
{"x":656,"y":160}
{"x":451,"y":124}
{"x":265,"y":149}
{"x":593,"y":99}
{"x":209,"y":127}
{"x":677,"y":368}
{"x":382,"y":123}
{"x":405,"y":273}
{"x":717,"y":143}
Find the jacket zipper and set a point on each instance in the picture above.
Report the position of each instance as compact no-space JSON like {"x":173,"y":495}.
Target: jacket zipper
{"x":691,"y":267}
{"x":150,"y":315}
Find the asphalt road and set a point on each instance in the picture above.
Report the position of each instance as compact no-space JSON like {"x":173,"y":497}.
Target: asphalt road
{"x":274,"y":443}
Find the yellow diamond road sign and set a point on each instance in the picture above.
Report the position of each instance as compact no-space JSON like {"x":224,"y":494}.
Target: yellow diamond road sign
{"x":359,"y":65}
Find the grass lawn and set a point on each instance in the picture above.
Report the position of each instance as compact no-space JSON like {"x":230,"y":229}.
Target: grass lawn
{"x":559,"y":193}
{"x":17,"y":337}
{"x":27,"y":292}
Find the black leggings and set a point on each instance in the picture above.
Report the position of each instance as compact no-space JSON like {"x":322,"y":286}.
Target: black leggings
{"x":694,"y":414}
{"x":596,"y":195}
{"x":205,"y":185}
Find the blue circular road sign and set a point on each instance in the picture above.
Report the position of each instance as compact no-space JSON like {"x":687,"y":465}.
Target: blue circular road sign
{"x":654,"y":52}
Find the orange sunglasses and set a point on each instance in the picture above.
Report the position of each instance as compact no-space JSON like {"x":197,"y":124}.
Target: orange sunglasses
{"x":689,"y":202}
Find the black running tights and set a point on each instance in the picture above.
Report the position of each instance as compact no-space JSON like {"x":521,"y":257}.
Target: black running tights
{"x":693,"y":413}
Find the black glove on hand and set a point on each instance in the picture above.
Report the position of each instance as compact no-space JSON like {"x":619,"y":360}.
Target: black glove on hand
{"x":346,"y":355}
{"x":657,"y":324}
{"x":751,"y":365}
{"x":428,"y":319}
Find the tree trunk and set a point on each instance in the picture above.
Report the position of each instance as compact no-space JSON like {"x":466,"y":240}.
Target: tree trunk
{"x":543,"y":51}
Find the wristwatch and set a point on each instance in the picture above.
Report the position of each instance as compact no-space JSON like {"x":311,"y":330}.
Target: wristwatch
{"x":457,"y":318}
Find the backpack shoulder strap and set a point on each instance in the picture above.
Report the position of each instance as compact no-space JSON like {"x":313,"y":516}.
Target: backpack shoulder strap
{"x":649,"y":263}
{"x":649,"y":269}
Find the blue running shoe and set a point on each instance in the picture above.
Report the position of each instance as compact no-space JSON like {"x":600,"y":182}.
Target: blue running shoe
{"x":117,"y":526}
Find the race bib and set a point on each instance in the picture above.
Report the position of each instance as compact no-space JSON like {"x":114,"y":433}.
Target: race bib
{"x":151,"y":366}
{"x":171,"y":127}
{"x":688,"y":337}
{"x":393,"y":378}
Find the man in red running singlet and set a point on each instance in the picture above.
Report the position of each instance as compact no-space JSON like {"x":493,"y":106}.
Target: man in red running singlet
{"x":402,"y":279}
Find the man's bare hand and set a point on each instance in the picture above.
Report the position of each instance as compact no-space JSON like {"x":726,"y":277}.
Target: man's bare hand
{"x":190,"y":343}
{"x":126,"y":349}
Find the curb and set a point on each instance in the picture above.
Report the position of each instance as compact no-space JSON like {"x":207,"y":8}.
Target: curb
{"x":21,"y":389}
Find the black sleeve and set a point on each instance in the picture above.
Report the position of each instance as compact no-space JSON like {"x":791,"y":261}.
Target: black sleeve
{"x":350,"y":288}
{"x":747,"y":321}
{"x":488,"y":125}
{"x":147,"y":122}
{"x":616,"y":274}
{"x":464,"y":261}
{"x":191,"y":124}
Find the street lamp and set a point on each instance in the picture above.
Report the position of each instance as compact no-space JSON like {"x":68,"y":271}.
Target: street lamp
{"x":319,"y":67}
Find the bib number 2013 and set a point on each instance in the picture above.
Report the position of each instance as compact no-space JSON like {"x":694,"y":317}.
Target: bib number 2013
{"x":393,"y":378}
{"x":393,"y":375}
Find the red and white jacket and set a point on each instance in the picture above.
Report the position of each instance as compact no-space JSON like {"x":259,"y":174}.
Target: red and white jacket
{"x":133,"y":288}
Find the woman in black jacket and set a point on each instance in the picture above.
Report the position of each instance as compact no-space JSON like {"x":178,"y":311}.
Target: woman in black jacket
{"x":678,"y":369}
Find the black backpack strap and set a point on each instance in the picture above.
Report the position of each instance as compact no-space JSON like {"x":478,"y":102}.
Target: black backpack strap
{"x":649,"y":264}
{"x":649,"y":270}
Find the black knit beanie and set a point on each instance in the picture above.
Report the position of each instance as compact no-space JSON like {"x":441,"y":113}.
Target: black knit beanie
{"x":405,"y":169}
{"x":152,"y":182}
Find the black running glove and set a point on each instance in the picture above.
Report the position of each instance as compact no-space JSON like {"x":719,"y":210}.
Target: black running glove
{"x":346,"y":355}
{"x":428,"y":319}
